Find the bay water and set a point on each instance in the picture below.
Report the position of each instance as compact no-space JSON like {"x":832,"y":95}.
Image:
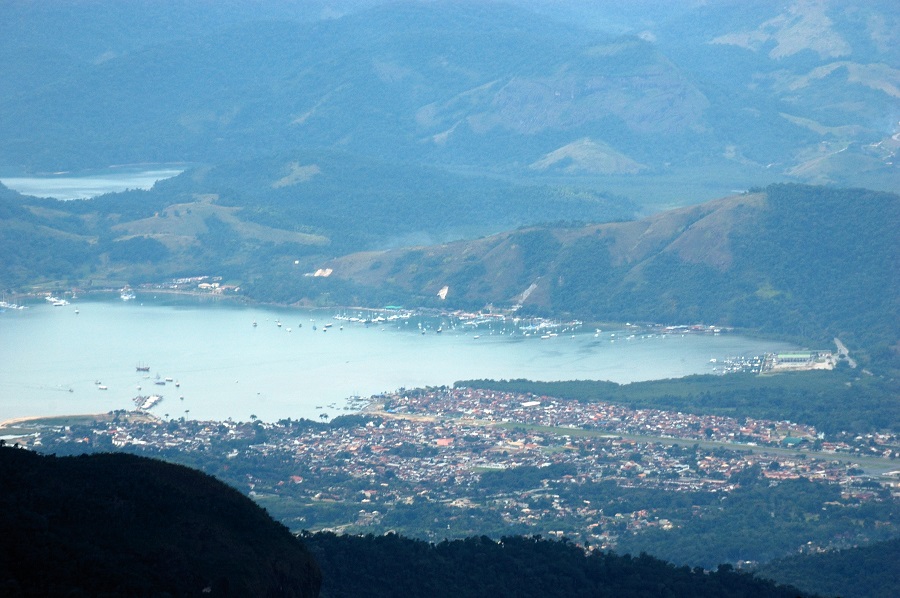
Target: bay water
{"x":83,"y":357}
{"x":82,"y":185}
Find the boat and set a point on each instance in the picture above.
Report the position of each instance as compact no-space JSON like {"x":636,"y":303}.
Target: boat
{"x":102,"y":387}
{"x":142,"y":367}
{"x":56,"y":301}
{"x":126,"y":295}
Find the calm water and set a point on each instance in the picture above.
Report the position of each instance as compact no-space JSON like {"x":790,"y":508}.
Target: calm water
{"x":80,"y":186}
{"x":53,"y":360}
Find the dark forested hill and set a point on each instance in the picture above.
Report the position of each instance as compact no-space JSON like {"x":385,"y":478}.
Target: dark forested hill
{"x":844,"y":573}
{"x":515,"y":567}
{"x":803,"y":262}
{"x":120,"y":525}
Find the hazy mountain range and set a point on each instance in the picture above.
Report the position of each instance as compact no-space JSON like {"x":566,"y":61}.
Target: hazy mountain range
{"x":674,"y":103}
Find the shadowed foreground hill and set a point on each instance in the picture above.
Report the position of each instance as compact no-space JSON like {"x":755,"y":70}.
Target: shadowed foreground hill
{"x":121,"y":525}
{"x":846,"y":573}
{"x":517,"y":567}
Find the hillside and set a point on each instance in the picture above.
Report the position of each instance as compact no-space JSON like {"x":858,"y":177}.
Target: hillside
{"x":663,"y":104}
{"x":252,"y":219}
{"x":809,"y":263}
{"x":120,"y":525}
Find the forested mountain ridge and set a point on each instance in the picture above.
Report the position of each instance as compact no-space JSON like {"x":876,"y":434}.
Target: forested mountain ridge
{"x":801,"y":92}
{"x":803,"y":262}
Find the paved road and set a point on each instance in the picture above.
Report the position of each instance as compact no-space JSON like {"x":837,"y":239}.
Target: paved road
{"x":842,"y":350}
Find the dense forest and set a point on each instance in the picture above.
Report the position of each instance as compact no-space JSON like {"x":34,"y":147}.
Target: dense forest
{"x":813,"y":264}
{"x":741,"y":95}
{"x":843,"y":573}
{"x":391,"y":565}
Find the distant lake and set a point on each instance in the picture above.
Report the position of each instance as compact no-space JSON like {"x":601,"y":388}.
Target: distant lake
{"x":84,"y":185}
{"x":53,"y":361}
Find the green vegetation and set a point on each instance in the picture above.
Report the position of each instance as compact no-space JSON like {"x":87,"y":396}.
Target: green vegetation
{"x":760,"y":522}
{"x":814,"y":263}
{"x":598,"y":491}
{"x":391,"y":565}
{"x":842,"y":573}
{"x":802,"y":263}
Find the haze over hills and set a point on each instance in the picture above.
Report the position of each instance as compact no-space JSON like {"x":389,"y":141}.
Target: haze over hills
{"x":806,"y":92}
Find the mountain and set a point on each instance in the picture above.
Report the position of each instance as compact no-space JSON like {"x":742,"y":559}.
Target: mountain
{"x":664,"y":104}
{"x":804,"y":262}
{"x":254,"y":218}
{"x":120,"y":525}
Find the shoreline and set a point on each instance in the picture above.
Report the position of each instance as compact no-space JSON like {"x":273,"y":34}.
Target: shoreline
{"x":24,"y":421}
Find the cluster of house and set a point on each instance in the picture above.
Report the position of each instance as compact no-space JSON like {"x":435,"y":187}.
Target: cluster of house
{"x":507,"y":407}
{"x":439,"y":444}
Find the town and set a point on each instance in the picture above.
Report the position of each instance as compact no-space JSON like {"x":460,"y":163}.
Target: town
{"x":451,"y":447}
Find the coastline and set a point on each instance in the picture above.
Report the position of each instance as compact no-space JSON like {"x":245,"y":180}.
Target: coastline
{"x":24,"y":422}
